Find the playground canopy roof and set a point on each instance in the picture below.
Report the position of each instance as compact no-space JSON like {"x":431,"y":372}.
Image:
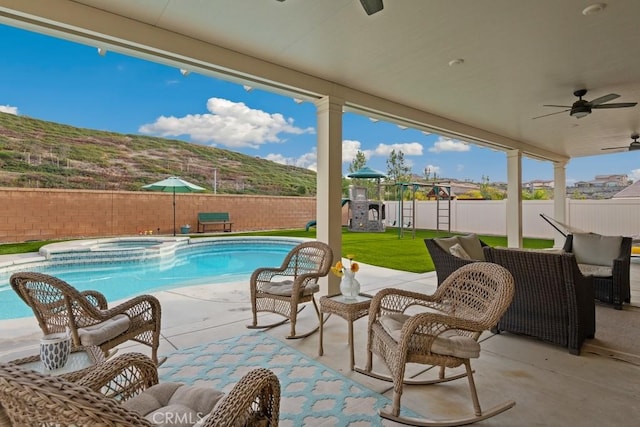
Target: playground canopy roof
{"x":366,"y":172}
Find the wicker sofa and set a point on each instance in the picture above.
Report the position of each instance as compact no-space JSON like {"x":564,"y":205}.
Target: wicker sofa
{"x":553,"y":301}
{"x":445,"y":262}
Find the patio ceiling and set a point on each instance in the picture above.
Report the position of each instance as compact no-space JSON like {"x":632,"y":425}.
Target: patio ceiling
{"x":518,"y":55}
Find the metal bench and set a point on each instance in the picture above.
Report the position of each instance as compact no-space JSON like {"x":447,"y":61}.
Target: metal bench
{"x":214,"y":218}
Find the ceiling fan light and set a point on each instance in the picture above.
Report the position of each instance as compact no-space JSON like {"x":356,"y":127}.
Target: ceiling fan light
{"x":372,"y":6}
{"x":580,"y":112}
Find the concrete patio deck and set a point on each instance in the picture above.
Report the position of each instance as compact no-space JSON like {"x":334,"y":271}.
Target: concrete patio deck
{"x":550,"y":386}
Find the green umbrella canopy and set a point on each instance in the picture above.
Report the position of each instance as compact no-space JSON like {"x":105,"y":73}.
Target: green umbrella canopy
{"x":366,"y":172}
{"x":173,"y":185}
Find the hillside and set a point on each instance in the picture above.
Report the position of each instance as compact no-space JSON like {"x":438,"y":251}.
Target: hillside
{"x":40,"y":154}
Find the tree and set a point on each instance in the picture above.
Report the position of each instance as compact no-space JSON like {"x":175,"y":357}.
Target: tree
{"x":397,"y":171}
{"x":538,"y":194}
{"x":358,"y":162}
{"x":429,"y":176}
{"x":488,"y":192}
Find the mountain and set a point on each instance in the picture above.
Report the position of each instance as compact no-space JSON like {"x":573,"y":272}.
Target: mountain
{"x":40,"y":154}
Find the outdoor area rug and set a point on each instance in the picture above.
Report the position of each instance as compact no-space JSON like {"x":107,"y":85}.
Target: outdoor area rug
{"x":312,"y":394}
{"x":617,"y":333}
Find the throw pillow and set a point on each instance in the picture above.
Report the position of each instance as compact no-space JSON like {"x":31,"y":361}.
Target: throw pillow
{"x":471,"y":244}
{"x":595,"y":249}
{"x":457,"y":250}
{"x":446,"y":242}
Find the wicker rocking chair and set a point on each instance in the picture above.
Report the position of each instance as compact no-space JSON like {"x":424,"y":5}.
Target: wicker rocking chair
{"x":444,"y":334}
{"x":103,"y":396}
{"x":58,"y":305}
{"x":281,"y":290}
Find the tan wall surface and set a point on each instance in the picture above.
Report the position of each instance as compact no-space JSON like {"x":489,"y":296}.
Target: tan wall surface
{"x":43,"y":214}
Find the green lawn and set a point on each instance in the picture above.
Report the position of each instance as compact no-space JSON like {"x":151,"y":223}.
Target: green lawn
{"x":387,"y":250}
{"x":381,"y":249}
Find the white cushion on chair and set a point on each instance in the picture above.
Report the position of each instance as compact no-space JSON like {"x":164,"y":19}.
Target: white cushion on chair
{"x":595,"y":270}
{"x":591,"y":248}
{"x":104,"y":331}
{"x":448,"y":343}
{"x":174,"y":404}
{"x":285,"y":288}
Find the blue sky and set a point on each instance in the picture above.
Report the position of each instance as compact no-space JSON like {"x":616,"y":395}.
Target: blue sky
{"x":65,"y":82}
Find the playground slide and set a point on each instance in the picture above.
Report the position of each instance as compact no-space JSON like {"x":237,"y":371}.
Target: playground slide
{"x":312,"y":223}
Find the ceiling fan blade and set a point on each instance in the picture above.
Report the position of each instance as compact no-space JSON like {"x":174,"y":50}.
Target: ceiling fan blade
{"x":615,"y":148}
{"x":603,"y":99}
{"x":551,"y":114}
{"x":616,"y":105}
{"x":559,"y":106}
{"x":372,"y":6}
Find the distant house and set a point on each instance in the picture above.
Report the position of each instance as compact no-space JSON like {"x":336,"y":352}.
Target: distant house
{"x":605,"y":181}
{"x":538,"y":184}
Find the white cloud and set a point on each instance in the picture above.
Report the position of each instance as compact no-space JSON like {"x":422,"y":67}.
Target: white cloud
{"x":307,"y":160}
{"x":229,"y":123}
{"x":634,"y":175}
{"x":446,"y":144}
{"x":9,"y":109}
{"x":407,"y":148}
{"x":349,"y":150}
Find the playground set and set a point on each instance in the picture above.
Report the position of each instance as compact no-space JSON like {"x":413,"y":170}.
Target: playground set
{"x":367,"y":214}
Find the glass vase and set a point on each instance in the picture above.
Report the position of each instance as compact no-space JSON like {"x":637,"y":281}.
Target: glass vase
{"x":349,"y":285}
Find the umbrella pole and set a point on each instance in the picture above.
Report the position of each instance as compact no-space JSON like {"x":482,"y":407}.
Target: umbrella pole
{"x":174,"y":211}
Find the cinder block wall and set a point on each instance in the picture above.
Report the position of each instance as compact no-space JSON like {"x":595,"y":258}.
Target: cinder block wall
{"x":42,"y":214}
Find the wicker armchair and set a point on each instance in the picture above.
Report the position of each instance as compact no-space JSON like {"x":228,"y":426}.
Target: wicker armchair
{"x":614,"y":289}
{"x":30,"y":398}
{"x":553,"y":301}
{"x":281,"y":290}
{"x":444,"y":262}
{"x":58,"y":305}
{"x":444,"y":334}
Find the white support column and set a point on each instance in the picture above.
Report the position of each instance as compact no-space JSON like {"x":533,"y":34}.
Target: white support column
{"x":514,"y":199}
{"x":559,"y":198}
{"x":329,"y":182}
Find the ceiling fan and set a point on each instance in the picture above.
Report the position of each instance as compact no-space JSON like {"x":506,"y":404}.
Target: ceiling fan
{"x":635,"y":144}
{"x":582,"y":108}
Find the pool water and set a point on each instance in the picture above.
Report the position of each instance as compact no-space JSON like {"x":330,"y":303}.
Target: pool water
{"x":202,"y":264}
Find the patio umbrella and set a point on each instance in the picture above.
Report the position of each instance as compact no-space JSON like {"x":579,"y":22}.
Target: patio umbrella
{"x":174,"y":185}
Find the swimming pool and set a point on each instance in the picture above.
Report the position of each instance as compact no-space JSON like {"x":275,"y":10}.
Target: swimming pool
{"x":121,"y":268}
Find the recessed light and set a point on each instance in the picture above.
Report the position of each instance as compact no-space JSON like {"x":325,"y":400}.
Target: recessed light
{"x":594,"y":8}
{"x":454,"y":62}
